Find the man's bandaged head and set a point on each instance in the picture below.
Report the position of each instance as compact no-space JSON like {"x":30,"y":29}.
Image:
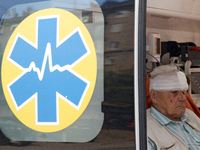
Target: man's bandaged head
{"x":168,"y":78}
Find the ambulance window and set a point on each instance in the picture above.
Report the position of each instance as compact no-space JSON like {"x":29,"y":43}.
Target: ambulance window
{"x":67,"y":74}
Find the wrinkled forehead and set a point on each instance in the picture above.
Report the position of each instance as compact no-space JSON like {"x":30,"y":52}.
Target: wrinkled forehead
{"x":175,"y":81}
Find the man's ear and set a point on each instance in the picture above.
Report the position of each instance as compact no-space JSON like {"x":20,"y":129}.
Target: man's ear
{"x":153,"y":96}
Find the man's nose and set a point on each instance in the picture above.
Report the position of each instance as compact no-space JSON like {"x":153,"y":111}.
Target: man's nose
{"x":182,"y":96}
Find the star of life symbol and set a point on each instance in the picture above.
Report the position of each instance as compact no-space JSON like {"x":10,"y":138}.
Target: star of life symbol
{"x":47,"y":70}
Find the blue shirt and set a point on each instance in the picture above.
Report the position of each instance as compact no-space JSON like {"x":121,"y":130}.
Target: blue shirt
{"x":179,"y":128}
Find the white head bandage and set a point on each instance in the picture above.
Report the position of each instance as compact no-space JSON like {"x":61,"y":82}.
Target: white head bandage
{"x":175,"y":81}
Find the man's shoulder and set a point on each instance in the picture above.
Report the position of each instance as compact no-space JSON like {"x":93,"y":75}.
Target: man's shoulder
{"x":148,"y":110}
{"x":192,"y":116}
{"x":190,"y":112}
{"x":150,"y":119}
{"x":148,"y":113}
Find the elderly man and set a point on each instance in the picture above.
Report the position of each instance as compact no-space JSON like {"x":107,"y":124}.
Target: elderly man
{"x":169,"y":124}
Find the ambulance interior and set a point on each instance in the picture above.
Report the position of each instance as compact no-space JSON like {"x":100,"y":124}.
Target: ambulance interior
{"x":173,"y":36}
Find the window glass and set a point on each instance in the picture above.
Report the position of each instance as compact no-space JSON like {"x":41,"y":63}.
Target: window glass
{"x":116,"y":27}
{"x":113,"y":45}
{"x":107,"y":122}
{"x":122,"y":14}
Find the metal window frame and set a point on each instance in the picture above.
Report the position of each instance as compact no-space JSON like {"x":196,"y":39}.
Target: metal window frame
{"x":139,"y":74}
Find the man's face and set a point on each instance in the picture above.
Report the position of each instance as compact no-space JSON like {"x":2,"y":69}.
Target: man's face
{"x":172,"y":104}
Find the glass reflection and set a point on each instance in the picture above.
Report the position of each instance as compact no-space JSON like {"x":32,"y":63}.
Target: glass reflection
{"x":118,"y":129}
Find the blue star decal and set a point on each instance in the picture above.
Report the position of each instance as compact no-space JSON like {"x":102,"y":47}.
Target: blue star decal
{"x":47,"y":70}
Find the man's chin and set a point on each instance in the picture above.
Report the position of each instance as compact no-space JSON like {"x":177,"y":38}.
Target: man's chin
{"x":181,"y":110}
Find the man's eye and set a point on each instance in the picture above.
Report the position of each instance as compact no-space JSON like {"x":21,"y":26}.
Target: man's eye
{"x":183,"y":92}
{"x":174,"y":92}
{"x":177,"y":92}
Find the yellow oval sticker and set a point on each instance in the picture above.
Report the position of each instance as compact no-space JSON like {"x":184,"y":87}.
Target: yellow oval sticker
{"x":49,"y":70}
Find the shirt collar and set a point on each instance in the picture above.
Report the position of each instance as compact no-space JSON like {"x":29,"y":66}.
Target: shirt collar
{"x":163,"y":119}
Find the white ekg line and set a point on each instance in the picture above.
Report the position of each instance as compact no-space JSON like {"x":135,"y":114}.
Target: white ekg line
{"x":52,"y":68}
